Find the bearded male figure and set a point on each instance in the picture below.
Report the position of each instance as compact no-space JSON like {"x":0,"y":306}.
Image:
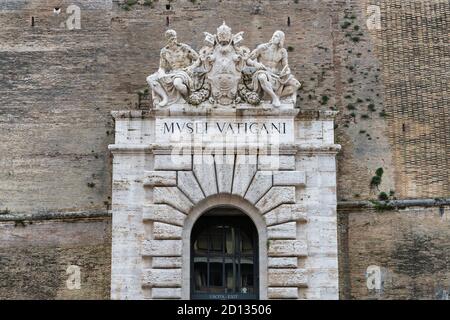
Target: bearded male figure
{"x":174,"y":76}
{"x":273,"y":75}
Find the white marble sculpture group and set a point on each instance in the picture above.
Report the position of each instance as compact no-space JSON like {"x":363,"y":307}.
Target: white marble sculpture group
{"x":223,"y":72}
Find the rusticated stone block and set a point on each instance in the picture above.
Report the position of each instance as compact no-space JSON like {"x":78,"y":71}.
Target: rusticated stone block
{"x":282,"y":293}
{"x":164,"y":231}
{"x":166,"y":278}
{"x":287,"y":278}
{"x":282,"y":262}
{"x":162,"y":248}
{"x":289,"y":178}
{"x":173,"y":162}
{"x":287,"y":248}
{"x":276,"y":163}
{"x":163,"y":213}
{"x":166,"y":262}
{"x":283,"y":231}
{"x":160,"y":178}
{"x":166,"y":293}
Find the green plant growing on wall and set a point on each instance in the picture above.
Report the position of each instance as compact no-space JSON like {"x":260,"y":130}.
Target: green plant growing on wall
{"x":128,"y":4}
{"x":382,"y":206}
{"x":376,"y":180}
{"x":290,"y":48}
{"x":384,"y":201}
{"x":379,"y":172}
{"x":346,"y":24}
{"x":143,"y":92}
{"x":148,"y":3}
{"x":383,"y":196}
{"x":324,"y":100}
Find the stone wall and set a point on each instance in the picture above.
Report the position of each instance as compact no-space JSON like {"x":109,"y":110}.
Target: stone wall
{"x":58,"y":87}
{"x":35,"y":257}
{"x":410,"y":247}
{"x":389,"y":86}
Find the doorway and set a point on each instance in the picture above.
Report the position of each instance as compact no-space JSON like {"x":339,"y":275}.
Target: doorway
{"x":224,"y":256}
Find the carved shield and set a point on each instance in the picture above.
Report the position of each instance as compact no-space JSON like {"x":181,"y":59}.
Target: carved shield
{"x":224,"y":77}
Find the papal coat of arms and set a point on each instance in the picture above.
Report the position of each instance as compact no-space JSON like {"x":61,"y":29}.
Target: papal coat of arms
{"x":223,"y":72}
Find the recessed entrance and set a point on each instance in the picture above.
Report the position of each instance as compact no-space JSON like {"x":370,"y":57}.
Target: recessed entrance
{"x":224,"y":256}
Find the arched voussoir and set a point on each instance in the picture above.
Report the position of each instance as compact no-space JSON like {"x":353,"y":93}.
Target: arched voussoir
{"x":276,"y":196}
{"x":205,"y":172}
{"x":286,"y":213}
{"x":188,"y":184}
{"x":172,"y":196}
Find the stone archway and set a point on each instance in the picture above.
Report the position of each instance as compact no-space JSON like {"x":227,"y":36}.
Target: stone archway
{"x":183,"y":190}
{"x":156,"y":192}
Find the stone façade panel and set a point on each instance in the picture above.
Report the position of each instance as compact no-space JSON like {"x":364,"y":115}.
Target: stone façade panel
{"x":272,"y":193}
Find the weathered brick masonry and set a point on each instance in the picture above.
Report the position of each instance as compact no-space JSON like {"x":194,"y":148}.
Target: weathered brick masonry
{"x":409,"y":245}
{"x":35,"y":256}
{"x":58,"y":86}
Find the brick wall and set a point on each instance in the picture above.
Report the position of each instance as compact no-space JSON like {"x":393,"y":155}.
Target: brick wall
{"x":34,"y":258}
{"x":58,"y":86}
{"x":410,"y":246}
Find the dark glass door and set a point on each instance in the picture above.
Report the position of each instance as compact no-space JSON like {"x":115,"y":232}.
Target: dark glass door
{"x":224,"y":258}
